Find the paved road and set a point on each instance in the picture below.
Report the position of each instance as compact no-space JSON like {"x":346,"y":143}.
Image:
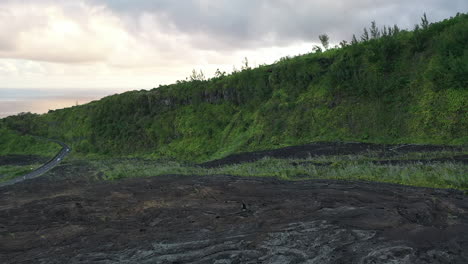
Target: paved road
{"x":44,"y":168}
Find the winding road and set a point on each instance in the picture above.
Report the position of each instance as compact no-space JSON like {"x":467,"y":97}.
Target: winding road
{"x":44,"y":168}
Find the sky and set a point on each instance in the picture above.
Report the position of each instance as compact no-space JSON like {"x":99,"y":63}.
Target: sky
{"x":90,"y":46}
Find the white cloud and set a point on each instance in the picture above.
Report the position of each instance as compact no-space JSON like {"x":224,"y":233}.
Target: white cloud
{"x":141,"y":43}
{"x":49,"y":32}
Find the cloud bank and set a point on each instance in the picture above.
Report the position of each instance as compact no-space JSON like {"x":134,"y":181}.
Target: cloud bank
{"x":140,"y":43}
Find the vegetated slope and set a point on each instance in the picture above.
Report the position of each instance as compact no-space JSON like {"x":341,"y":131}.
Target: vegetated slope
{"x":401,"y":87}
{"x":14,"y":143}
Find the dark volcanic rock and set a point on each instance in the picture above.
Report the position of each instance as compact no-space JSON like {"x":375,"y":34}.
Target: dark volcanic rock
{"x":335,"y":148}
{"x":222,"y":219}
{"x":21,"y":160}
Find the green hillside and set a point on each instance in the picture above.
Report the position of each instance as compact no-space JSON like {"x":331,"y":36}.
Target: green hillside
{"x":13,"y":143}
{"x":399,"y":87}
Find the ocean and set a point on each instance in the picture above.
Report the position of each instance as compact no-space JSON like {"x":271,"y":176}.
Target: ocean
{"x":14,"y":101}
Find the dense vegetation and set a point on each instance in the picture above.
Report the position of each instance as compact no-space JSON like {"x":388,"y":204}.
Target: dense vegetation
{"x":14,"y":143}
{"x":392,"y":86}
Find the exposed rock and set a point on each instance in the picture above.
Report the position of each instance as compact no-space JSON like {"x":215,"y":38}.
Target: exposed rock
{"x":221,"y":219}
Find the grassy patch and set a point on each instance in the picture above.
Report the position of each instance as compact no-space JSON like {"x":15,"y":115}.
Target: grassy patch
{"x":347,"y":167}
{"x":9,"y":172}
{"x":12,"y":143}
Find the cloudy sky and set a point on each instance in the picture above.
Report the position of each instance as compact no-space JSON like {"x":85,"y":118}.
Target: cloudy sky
{"x":139,"y":44}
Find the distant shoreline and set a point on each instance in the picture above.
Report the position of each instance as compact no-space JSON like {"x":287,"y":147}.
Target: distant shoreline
{"x":40,"y":101}
{"x":40,"y":106}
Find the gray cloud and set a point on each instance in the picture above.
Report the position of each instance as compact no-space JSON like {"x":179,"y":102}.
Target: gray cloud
{"x":246,"y":23}
{"x":138,"y":43}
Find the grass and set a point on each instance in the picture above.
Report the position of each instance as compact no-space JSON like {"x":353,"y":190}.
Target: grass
{"x":9,"y":172}
{"x":362,"y":167}
{"x":347,"y":167}
{"x":14,"y":143}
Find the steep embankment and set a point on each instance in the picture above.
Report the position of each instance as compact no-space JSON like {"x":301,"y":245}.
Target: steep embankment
{"x":401,"y":87}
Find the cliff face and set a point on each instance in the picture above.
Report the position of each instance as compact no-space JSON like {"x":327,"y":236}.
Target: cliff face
{"x":407,"y":87}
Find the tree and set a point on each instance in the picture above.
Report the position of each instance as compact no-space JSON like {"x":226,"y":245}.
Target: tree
{"x":390,"y":31}
{"x":245,"y":64}
{"x":316,"y":49}
{"x":324,"y":39}
{"x":365,"y":35}
{"x":385,"y":31}
{"x":344,"y":43}
{"x":424,"y":22}
{"x":193,"y":76}
{"x":354,"y":40}
{"x":197,"y":76}
{"x":396,"y":30}
{"x":219,"y":74}
{"x":201,"y":76}
{"x":374,"y":30}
